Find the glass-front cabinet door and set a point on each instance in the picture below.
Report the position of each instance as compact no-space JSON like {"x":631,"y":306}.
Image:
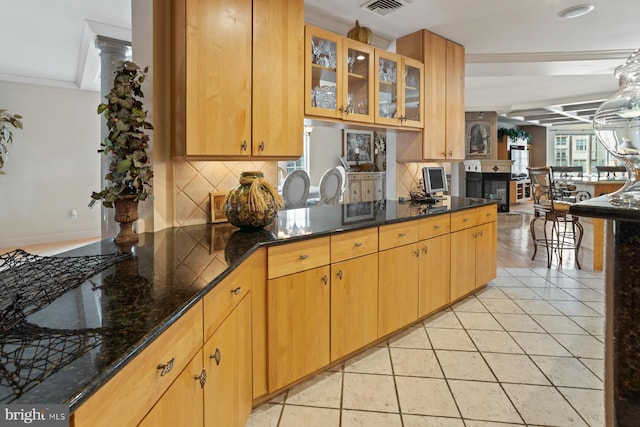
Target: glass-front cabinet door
{"x":358,"y":83}
{"x":413,"y":94}
{"x":323,"y":73}
{"x":389,"y":81}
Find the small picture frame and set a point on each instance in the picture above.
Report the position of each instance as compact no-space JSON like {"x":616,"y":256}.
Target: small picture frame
{"x":358,"y":146}
{"x":358,"y":212}
{"x":217,"y":207}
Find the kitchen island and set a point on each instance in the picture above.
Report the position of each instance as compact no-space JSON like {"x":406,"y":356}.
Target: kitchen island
{"x":622,"y":302}
{"x":86,"y":348}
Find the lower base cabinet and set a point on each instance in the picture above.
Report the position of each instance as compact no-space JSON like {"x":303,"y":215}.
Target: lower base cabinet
{"x":215,"y":388}
{"x":435,"y":274}
{"x":297,"y":325}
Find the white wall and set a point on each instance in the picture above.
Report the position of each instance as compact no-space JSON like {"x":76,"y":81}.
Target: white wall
{"x":53,"y":165}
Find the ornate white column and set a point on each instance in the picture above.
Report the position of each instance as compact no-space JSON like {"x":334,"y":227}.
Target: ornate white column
{"x":111,"y":51}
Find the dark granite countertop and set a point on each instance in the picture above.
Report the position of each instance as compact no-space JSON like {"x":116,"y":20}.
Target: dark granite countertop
{"x":65,"y":351}
{"x":599,"y":207}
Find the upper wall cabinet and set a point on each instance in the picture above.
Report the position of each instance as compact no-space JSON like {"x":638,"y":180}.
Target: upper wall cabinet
{"x":398,"y":93}
{"x":443,"y":134}
{"x":352,"y":81}
{"x":237,"y":80}
{"x":338,"y":77}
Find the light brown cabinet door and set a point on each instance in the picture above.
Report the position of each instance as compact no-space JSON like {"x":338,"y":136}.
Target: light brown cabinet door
{"x":389,"y":88}
{"x":354,"y":304}
{"x":297,"y":325}
{"x":435,"y":274}
{"x":435,"y":71}
{"x":323,"y":73}
{"x":227,"y":361}
{"x":278,"y":77}
{"x":455,"y":125}
{"x":412,"y":95}
{"x":218,"y":77}
{"x":182,"y":403}
{"x":486,"y":250}
{"x":397,"y":287}
{"x":357,"y":69}
{"x":463,"y":262}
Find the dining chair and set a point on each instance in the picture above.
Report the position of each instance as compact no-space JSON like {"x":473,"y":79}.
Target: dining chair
{"x":610,"y":172}
{"x":567,"y":190}
{"x":295,"y":189}
{"x":330,"y":188}
{"x":562,"y":231}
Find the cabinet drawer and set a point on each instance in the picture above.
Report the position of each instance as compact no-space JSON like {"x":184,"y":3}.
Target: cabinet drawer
{"x":394,"y":235}
{"x":487,"y":214}
{"x":434,"y":226}
{"x":222,"y":299}
{"x":130,"y":394}
{"x":299,"y":256}
{"x":463,"y":219}
{"x":354,"y":244}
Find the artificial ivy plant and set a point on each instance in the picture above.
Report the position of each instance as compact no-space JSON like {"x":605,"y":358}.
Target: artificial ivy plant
{"x":514,"y":134}
{"x":126,"y":145}
{"x":6,"y":134}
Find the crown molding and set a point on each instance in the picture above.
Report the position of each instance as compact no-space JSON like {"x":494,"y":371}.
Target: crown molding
{"x":596,"y":55}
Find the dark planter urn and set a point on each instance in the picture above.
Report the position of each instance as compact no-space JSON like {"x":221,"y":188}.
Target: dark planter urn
{"x":126,"y":214}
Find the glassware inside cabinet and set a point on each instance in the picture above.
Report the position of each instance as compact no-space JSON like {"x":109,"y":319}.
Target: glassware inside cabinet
{"x":388,"y":88}
{"x":323,"y":73}
{"x":358,"y":81}
{"x":412,"y":93}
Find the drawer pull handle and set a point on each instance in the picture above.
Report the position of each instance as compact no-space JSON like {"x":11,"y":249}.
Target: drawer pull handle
{"x":358,"y":244}
{"x":436,"y":227}
{"x":339,"y":274}
{"x":261,"y":146}
{"x":166,"y":367}
{"x":303,"y":257}
{"x":325,"y":279}
{"x":480,"y":233}
{"x":217,"y":355}
{"x":425,"y":249}
{"x":402,"y":234}
{"x":244,"y":145}
{"x":465,"y":219}
{"x":417,"y":252}
{"x":202,"y":377}
{"x":236,"y":291}
{"x":475,"y":234}
{"x":489,"y":214}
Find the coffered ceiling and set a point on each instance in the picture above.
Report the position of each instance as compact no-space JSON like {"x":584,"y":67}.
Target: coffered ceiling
{"x":522,"y":60}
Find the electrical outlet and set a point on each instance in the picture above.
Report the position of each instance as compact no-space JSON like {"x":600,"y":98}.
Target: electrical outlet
{"x":74,"y":214}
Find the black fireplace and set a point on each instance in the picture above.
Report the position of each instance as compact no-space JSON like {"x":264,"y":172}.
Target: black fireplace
{"x":489,"y":185}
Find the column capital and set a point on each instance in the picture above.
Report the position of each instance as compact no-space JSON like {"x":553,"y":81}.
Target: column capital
{"x":112,"y":46}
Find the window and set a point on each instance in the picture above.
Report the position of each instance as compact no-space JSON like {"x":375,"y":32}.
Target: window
{"x":580,"y":149}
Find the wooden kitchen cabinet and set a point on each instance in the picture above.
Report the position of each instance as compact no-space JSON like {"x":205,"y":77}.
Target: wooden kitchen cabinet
{"x":354,"y":304}
{"x":238,"y":78}
{"x":398,"y":91}
{"x":473,"y":249}
{"x":435,"y":263}
{"x":297,"y":325}
{"x":442,"y":137}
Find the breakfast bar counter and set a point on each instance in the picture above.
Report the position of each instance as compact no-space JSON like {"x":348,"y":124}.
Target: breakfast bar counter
{"x":66,"y":351}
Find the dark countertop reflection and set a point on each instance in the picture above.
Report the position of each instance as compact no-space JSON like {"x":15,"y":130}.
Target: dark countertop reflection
{"x":68,"y":349}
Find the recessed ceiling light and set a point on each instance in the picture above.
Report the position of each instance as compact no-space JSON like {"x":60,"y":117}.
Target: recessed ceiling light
{"x":575,"y":11}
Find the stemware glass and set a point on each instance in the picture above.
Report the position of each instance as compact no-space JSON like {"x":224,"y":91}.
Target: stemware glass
{"x":617,"y":126}
{"x":351,"y":59}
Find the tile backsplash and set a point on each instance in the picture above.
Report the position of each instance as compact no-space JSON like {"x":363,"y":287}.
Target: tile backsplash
{"x":194,"y":180}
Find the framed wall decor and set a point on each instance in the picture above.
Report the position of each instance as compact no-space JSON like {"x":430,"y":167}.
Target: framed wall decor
{"x":358,"y":146}
{"x":217,"y":207}
{"x":358,"y":212}
{"x":478,"y":138}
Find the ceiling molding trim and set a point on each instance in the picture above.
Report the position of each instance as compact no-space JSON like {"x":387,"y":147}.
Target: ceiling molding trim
{"x":38,"y":81}
{"x":596,"y":55}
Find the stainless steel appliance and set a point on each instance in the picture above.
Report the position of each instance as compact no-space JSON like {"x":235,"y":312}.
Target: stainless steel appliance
{"x":520,"y":156}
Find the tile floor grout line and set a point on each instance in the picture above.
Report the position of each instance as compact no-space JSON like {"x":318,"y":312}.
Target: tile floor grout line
{"x":395,"y":384}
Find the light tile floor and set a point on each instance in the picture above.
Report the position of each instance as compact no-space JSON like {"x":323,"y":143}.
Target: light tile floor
{"x":526,"y":350}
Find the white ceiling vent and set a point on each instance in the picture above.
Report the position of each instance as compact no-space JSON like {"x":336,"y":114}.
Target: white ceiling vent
{"x":384,"y":7}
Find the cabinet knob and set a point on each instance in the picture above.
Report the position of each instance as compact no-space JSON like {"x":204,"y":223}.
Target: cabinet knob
{"x":341,"y":109}
{"x":475,"y":234}
{"x":217,"y":356}
{"x":450,"y":153}
{"x":303,"y":257}
{"x":339,"y":274}
{"x":436,"y":227}
{"x":236,"y":291}
{"x":480,"y":233}
{"x":325,"y":279}
{"x":357,"y":244}
{"x":425,"y":249}
{"x":166,"y":367}
{"x":244,"y":145}
{"x":401,"y":235}
{"x":417,"y":252}
{"x":202,"y":377}
{"x":261,"y":146}
{"x":465,"y":219}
